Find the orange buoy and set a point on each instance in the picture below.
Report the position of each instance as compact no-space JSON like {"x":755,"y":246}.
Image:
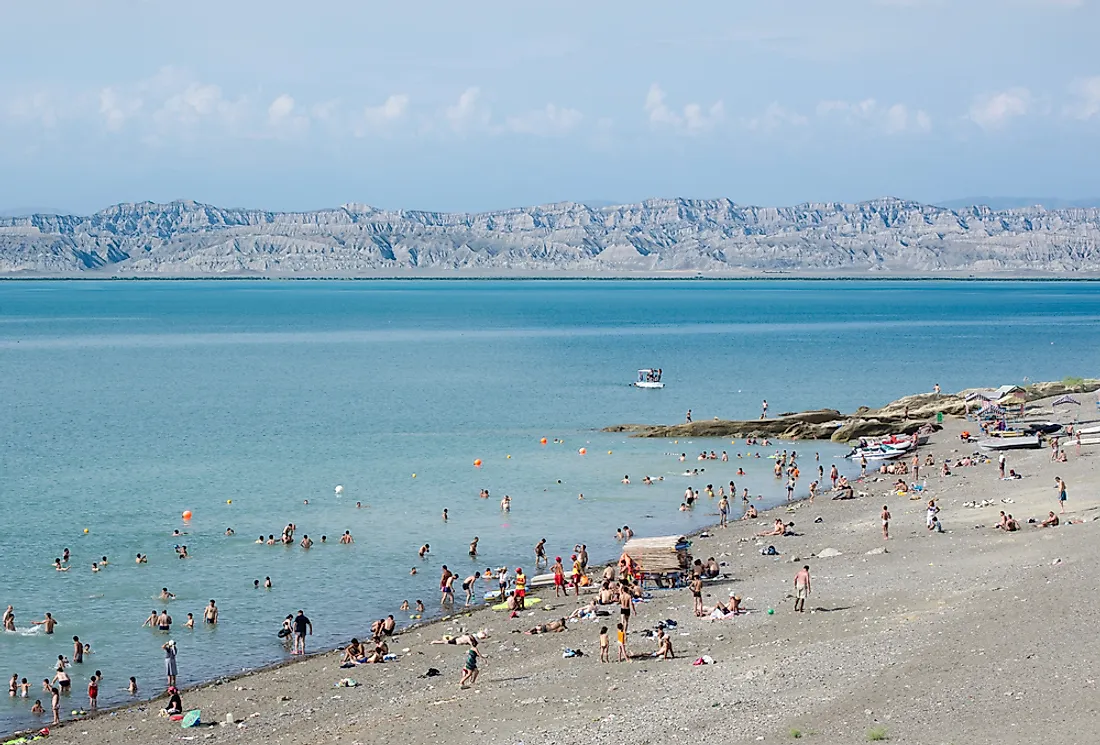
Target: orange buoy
{"x":187,"y":514}
{"x":543,"y":441}
{"x":582,"y":451}
{"x":477,"y":462}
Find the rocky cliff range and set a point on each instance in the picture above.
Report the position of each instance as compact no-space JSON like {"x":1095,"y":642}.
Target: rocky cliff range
{"x":716,"y":237}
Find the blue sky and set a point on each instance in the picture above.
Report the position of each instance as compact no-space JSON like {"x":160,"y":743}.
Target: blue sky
{"x":484,"y":105}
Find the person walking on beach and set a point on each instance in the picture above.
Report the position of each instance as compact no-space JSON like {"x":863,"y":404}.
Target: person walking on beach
{"x":1001,"y":465}
{"x":916,"y":468}
{"x":764,"y":409}
{"x":801,"y":589}
{"x":885,"y":523}
{"x":469,"y":670}
{"x":620,"y":633}
{"x":723,"y":512}
{"x":170,"y":671}
{"x":1059,"y":486}
{"x":862,"y":466}
{"x":626,"y":603}
{"x":688,"y":417}
{"x":605,"y":645}
{"x":540,"y":554}
{"x":55,"y":703}
{"x":302,"y":624}
{"x":834,"y":475}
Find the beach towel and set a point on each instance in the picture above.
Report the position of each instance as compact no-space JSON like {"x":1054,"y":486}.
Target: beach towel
{"x":191,"y":719}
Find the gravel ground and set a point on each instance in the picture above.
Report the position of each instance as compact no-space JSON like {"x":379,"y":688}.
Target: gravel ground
{"x":971,"y":636}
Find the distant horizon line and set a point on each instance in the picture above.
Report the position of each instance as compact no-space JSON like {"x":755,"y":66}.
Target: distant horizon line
{"x":994,"y":203}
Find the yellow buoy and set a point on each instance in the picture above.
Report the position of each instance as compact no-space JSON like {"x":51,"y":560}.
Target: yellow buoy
{"x":85,"y":530}
{"x":229,"y":501}
{"x":414,"y":475}
{"x":609,"y":452}
{"x":509,"y":457}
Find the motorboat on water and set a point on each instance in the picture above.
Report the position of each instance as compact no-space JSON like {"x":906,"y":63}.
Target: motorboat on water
{"x":649,"y":378}
{"x":1020,"y":442}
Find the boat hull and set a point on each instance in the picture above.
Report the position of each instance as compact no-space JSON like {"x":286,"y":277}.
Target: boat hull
{"x":646,"y":384}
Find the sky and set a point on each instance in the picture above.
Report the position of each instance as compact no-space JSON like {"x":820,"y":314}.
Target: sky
{"x":487,"y":105}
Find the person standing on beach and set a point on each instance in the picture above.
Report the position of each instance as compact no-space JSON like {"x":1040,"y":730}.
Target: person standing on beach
{"x":862,"y":466}
{"x":697,"y":594}
{"x":688,"y":417}
{"x":801,"y":589}
{"x":834,"y":475}
{"x":764,"y":409}
{"x":916,"y":468}
{"x":559,"y":578}
{"x":521,"y":589}
{"x":885,"y":523}
{"x":620,"y":633}
{"x":605,"y":645}
{"x":55,"y":703}
{"x":723,"y":512}
{"x":626,"y":603}
{"x":1059,"y":486}
{"x":1001,"y":460}
{"x":583,"y":556}
{"x":302,"y":624}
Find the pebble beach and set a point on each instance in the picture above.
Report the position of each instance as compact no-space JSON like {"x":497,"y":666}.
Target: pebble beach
{"x":971,"y":635}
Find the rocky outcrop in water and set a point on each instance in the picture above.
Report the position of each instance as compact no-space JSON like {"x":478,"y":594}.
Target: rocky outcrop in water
{"x":904,"y":416}
{"x":658,"y":236}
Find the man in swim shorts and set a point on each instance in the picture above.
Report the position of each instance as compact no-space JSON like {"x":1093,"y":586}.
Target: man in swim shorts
{"x":302,"y":624}
{"x":210,"y":613}
{"x":801,"y":589}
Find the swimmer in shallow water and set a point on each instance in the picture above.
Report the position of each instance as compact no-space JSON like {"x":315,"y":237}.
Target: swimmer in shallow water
{"x":57,"y":566}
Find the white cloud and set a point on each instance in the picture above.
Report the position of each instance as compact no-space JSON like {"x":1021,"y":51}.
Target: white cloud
{"x":693,"y":119}
{"x":1086,"y":103}
{"x":550,"y":121}
{"x":378,"y":118}
{"x":468,"y":113}
{"x":774,"y":117}
{"x":41,"y":107}
{"x":994,"y":110}
{"x":280,"y":109}
{"x":890,"y":119}
{"x":118,"y":107}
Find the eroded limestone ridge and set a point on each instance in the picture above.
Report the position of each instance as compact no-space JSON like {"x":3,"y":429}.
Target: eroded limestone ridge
{"x":657,"y":236}
{"x":830,"y":424}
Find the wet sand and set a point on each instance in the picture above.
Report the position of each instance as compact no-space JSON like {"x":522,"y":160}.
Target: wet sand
{"x":974,"y":635}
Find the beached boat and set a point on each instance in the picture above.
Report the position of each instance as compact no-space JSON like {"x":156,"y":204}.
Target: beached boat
{"x":877,"y":452}
{"x":1092,"y":430}
{"x":1020,"y":442}
{"x":649,"y":378}
{"x":1043,"y":428}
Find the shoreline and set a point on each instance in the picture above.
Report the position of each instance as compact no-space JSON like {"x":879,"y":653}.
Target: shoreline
{"x":718,"y":543}
{"x":415,"y":626}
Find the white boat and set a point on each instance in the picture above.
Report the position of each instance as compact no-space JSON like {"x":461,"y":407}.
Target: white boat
{"x":648,"y":378}
{"x":1093,"y":430}
{"x":1011,"y":443}
{"x":877,"y":452}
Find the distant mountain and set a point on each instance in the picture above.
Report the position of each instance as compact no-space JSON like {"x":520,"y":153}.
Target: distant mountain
{"x":658,"y":236}
{"x":28,"y":211}
{"x":1014,"y":203}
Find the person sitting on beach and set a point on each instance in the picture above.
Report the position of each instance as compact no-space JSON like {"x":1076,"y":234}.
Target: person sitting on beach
{"x":1062,"y":458}
{"x":378,"y":655}
{"x":553,"y":627}
{"x":1012,"y":475}
{"x":750,"y":513}
{"x":712,"y":570}
{"x":733,"y":608}
{"x":353,"y":653}
{"x":608,"y":595}
{"x":1050,"y":522}
{"x":1002,"y":524}
{"x":1011,"y":524}
{"x":175,"y":703}
{"x":946,"y":470}
{"x":462,"y":639}
{"x":779,"y":528}
{"x":901,"y":487}
{"x":664,"y":646}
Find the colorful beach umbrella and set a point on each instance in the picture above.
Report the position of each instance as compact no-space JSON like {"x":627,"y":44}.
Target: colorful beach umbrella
{"x":191,"y":718}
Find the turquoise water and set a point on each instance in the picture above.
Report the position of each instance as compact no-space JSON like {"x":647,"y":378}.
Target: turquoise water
{"x":124,"y":403}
